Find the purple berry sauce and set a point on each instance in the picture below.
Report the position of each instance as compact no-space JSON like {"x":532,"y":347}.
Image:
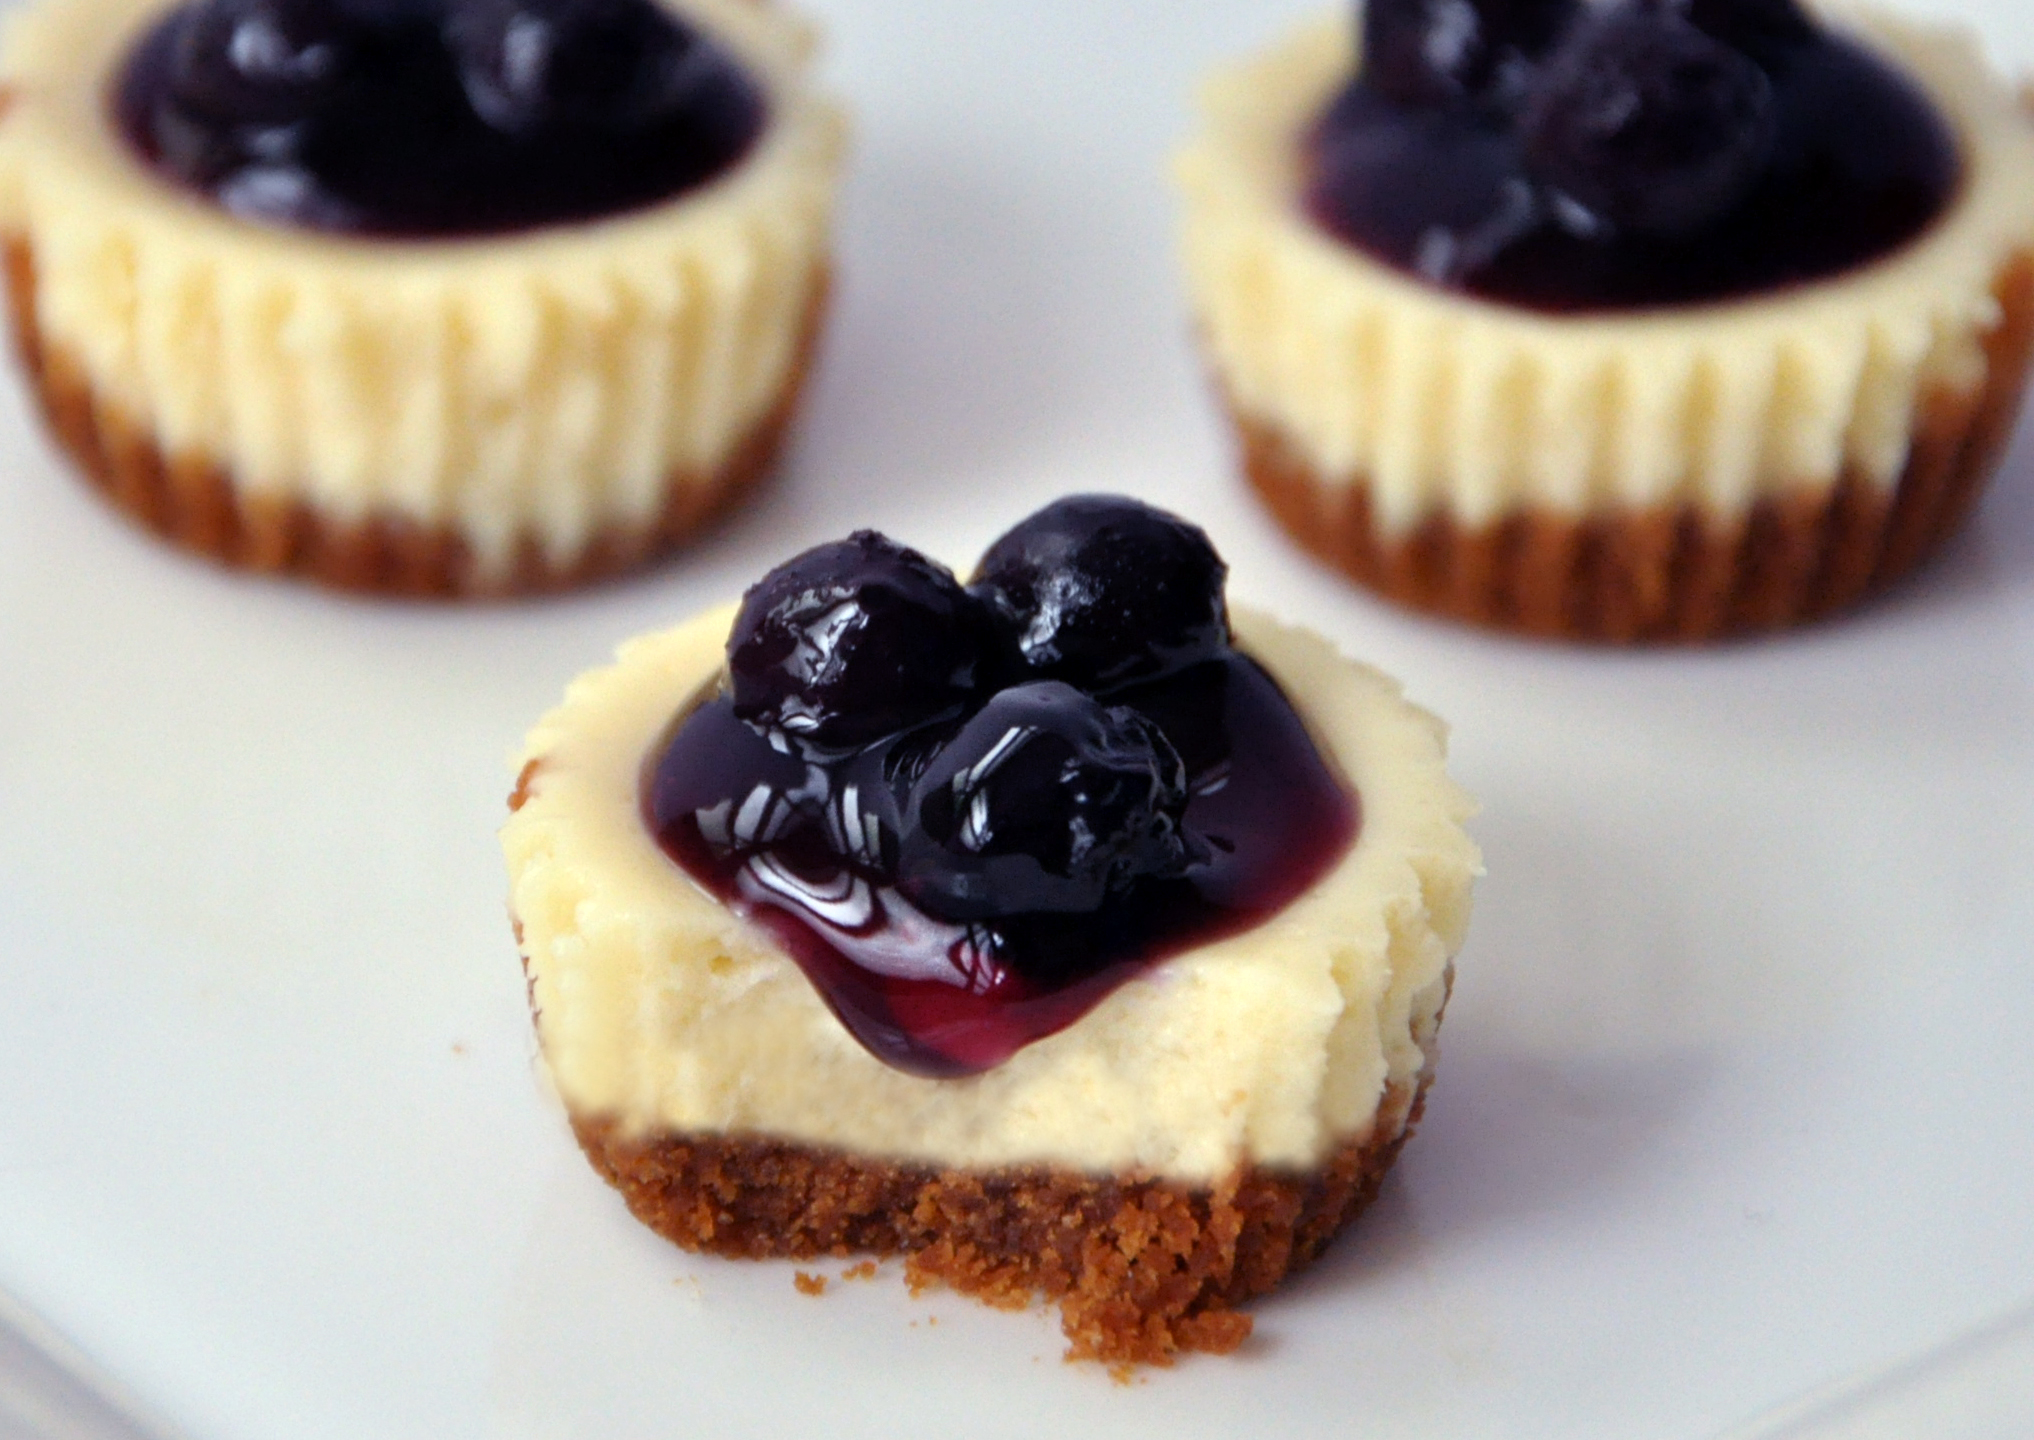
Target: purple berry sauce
{"x":982,"y":866}
{"x":433,"y":118}
{"x":1641,"y":153}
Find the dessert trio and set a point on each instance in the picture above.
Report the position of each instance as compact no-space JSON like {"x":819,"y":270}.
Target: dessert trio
{"x":1057,"y":929}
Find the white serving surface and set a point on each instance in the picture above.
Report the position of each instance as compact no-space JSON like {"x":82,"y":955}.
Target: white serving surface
{"x":1737,"y":1094}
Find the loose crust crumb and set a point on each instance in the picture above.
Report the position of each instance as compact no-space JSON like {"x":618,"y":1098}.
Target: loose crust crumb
{"x":524,"y":779}
{"x":809,"y":1283}
{"x":1141,"y":1268}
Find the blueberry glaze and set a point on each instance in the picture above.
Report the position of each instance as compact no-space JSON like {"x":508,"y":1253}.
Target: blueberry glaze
{"x":985,"y":871}
{"x":421,"y":118}
{"x":1569,"y":158}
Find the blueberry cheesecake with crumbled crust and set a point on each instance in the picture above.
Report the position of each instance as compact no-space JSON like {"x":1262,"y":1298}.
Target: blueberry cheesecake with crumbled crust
{"x":1059,"y":932}
{"x":425,"y":296}
{"x":1641,"y":320}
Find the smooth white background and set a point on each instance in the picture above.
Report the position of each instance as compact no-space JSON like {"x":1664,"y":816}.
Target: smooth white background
{"x":1737,"y":1094}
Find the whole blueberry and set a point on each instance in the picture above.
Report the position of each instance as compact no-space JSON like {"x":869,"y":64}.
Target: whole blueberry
{"x":617,"y":65}
{"x":1101,"y":591}
{"x":1648,"y":123}
{"x":855,"y":640}
{"x":1429,"y":52}
{"x":260,"y":62}
{"x":1374,"y":182}
{"x":1758,"y":27}
{"x":1045,"y":801}
{"x":1529,"y":27}
{"x":868,"y":795}
{"x":737,"y":791}
{"x":405,"y":18}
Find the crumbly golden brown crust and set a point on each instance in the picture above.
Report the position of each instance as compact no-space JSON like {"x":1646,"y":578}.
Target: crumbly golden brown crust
{"x":194,"y":502}
{"x":1674,"y":574}
{"x":1142,"y":1269}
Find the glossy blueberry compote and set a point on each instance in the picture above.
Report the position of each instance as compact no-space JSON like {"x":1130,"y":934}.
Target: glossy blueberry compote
{"x":415,"y":118}
{"x":969,"y":813}
{"x":1569,"y":156}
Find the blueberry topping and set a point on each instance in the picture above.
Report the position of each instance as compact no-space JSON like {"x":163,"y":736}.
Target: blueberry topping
{"x":1759,"y":27}
{"x":1430,"y":52}
{"x":1422,"y":53}
{"x":965,"y":854}
{"x":242,"y":82}
{"x":855,"y":640}
{"x":259,"y":62}
{"x":1100,"y":591}
{"x":777,"y":802}
{"x":434,"y":117}
{"x":1634,"y":153}
{"x":1045,"y":801}
{"x":619,"y":65}
{"x":1525,"y":29}
{"x":1649,"y":124}
{"x":1374,"y":180}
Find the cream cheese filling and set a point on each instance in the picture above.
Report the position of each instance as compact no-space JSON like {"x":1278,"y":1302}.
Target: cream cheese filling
{"x":546,"y":384}
{"x":1444,"y":403}
{"x":658,"y":1006}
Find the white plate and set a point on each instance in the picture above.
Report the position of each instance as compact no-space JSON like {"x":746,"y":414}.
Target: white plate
{"x":1737,"y":1096}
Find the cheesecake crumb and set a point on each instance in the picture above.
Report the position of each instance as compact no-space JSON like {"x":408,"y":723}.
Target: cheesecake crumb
{"x":808,"y":1283}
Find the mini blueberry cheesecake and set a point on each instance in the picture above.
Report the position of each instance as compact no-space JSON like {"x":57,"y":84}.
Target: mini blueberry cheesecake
{"x":1644,"y":320}
{"x":1059,"y":932}
{"x":438,"y":297}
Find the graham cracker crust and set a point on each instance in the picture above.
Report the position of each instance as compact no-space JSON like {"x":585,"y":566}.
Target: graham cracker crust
{"x":1673,"y":574}
{"x":193,"y":501}
{"x":1142,"y":1269}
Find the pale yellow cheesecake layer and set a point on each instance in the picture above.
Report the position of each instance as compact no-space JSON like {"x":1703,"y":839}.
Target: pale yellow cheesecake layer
{"x":1443,"y":403}
{"x":659,"y":1007}
{"x":545,"y":384}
